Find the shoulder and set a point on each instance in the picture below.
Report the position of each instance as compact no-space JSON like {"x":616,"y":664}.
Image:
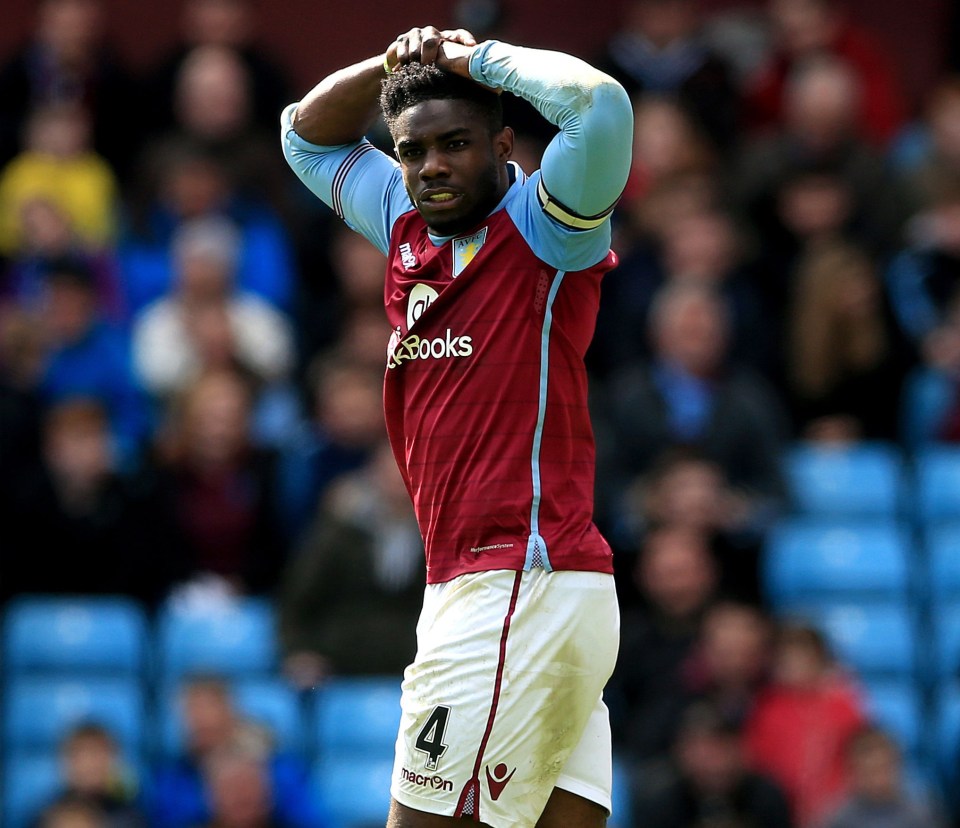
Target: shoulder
{"x":557,"y":235}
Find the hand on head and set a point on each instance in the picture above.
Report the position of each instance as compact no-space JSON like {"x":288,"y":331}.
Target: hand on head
{"x":423,"y":45}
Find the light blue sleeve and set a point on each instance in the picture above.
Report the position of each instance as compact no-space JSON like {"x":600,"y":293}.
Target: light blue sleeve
{"x":359,"y":182}
{"x":565,"y":207}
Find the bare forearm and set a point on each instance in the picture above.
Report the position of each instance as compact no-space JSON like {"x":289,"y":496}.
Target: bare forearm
{"x":343,"y":106}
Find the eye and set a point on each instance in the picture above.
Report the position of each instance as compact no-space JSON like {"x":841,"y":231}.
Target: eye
{"x":409,"y":153}
{"x":457,"y":143}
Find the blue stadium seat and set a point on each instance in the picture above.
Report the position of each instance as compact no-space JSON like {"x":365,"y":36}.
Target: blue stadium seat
{"x":947,"y":730}
{"x":39,"y":710}
{"x":102,"y":634}
{"x":232,"y":640}
{"x":943,"y":552}
{"x":357,"y":716}
{"x":810,"y":561}
{"x":874,"y":640}
{"x":269,"y":701}
{"x":859,"y":480}
{"x":946,"y":649}
{"x":355,"y":791}
{"x":937,"y":472}
{"x":30,"y":781}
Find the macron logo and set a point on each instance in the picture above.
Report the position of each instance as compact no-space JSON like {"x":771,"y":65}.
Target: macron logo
{"x":407,"y":259}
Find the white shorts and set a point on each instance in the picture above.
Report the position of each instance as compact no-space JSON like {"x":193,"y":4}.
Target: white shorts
{"x":503,"y":702}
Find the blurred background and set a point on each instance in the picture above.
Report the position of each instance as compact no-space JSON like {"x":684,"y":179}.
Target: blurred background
{"x":209,"y":570}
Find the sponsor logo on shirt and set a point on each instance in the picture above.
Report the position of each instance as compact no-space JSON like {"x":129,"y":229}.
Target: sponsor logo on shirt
{"x":420,"y":298}
{"x":407,"y":257}
{"x":417,"y":347}
{"x":402,"y":349}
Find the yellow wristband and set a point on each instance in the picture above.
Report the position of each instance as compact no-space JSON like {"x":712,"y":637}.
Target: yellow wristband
{"x":386,"y":66}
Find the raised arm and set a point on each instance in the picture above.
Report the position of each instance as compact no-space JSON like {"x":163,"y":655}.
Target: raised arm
{"x":343,"y":106}
{"x":585,"y":167}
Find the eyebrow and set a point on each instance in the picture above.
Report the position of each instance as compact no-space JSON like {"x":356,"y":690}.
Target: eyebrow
{"x":445,"y":136}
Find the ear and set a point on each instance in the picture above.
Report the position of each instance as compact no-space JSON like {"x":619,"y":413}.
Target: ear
{"x":503,"y":144}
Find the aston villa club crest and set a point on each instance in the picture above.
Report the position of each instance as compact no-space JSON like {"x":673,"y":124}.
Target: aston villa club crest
{"x":465,"y":249}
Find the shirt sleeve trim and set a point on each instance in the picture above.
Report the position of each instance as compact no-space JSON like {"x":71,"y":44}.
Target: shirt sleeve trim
{"x":343,"y":171}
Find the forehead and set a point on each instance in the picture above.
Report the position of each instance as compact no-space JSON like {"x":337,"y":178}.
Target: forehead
{"x":429,"y":119}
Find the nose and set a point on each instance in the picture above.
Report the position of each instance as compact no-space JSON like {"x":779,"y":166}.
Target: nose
{"x":434,"y":165}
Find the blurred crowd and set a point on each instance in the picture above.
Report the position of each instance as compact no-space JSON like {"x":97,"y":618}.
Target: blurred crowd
{"x":192,"y":348}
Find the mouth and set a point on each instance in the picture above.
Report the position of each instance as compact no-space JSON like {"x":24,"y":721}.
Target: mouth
{"x":439,"y":199}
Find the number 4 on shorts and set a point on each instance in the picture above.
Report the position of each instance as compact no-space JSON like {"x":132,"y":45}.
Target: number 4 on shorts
{"x":430,"y":738}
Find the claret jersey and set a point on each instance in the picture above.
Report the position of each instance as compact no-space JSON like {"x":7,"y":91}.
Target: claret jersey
{"x":485,"y":398}
{"x":485,"y":389}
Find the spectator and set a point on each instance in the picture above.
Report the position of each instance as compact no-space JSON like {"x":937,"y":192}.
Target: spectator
{"x":660,"y":50}
{"x":88,"y":356}
{"x":704,"y":247}
{"x":72,"y":814}
{"x":57,"y":164}
{"x":846,"y":360}
{"x":345,"y":426}
{"x":352,"y":592}
{"x":215,"y":489}
{"x":80,"y":509}
{"x":184,"y":181}
{"x":66,"y":60}
{"x":938,"y":156}
{"x":811,"y":206}
{"x":354,"y":285}
{"x":799,"y":729}
{"x":226,"y":24}
{"x":240,"y":792}
{"x":21,"y":361}
{"x":667,"y":148}
{"x":48,"y":236}
{"x":818,"y":135}
{"x":94,"y":774}
{"x":810,"y":28}
{"x":685,"y":489}
{"x":878,"y":795}
{"x":206,"y":322}
{"x":690,"y":395}
{"x":676,"y":580}
{"x":924,"y":278}
{"x":731,"y":663}
{"x":710,"y":784}
{"x":213,"y":106}
{"x":923,"y":283}
{"x":194,"y":788}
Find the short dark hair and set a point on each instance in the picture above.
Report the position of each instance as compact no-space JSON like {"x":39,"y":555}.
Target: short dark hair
{"x":414,"y":83}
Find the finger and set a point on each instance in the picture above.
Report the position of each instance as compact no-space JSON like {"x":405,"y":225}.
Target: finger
{"x":459,"y":36}
{"x":430,"y":45}
{"x":403,"y":50}
{"x":413,"y":46}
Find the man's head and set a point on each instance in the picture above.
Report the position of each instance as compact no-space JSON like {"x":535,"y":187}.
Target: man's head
{"x":208,"y":713}
{"x":709,"y":750}
{"x":690,"y":327}
{"x":453,"y":148}
{"x":90,"y":757}
{"x":875,"y":763}
{"x":676,"y":571}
